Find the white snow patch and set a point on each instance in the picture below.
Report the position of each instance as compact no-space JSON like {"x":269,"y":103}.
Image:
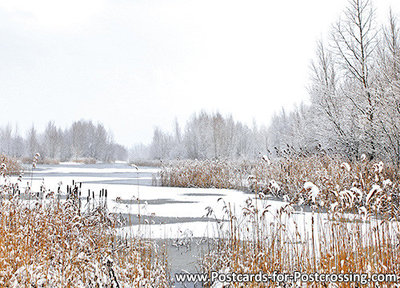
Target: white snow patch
{"x":313,"y":190}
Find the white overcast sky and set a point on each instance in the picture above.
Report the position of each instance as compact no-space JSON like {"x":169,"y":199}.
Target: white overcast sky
{"x":137,"y":64}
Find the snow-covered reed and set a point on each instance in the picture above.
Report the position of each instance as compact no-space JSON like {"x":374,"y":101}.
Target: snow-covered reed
{"x":55,"y":244}
{"x":204,"y":174}
{"x":304,"y":180}
{"x":338,"y":243}
{"x":9,"y":165}
{"x":352,"y":226}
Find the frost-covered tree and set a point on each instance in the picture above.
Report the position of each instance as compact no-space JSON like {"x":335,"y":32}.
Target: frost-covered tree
{"x":32,"y":142}
{"x":6,"y":139}
{"x":209,"y":136}
{"x":355,"y":106}
{"x":354,"y":41}
{"x":52,"y":140}
{"x":388,"y":87}
{"x":139,"y":152}
{"x":82,"y":140}
{"x":161,"y":145}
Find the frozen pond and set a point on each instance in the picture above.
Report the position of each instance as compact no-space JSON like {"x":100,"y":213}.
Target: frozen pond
{"x":177,"y":216}
{"x":165,"y":212}
{"x":153,"y":211}
{"x":150,"y":210}
{"x":98,"y":173}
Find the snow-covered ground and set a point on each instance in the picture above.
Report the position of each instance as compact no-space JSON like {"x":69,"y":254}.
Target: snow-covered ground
{"x":166,"y":212}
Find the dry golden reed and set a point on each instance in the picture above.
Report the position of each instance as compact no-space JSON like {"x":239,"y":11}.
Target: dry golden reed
{"x":55,"y":245}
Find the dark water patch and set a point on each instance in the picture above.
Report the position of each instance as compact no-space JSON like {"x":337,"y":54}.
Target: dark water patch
{"x":130,"y":181}
{"x":153,"y":201}
{"x":184,"y":255}
{"x":204,"y":194}
{"x":133,"y":219}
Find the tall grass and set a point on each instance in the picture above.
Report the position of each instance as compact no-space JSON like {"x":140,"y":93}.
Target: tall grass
{"x":285,"y":178}
{"x":9,"y":165}
{"x":352,"y":226}
{"x":340,"y":248}
{"x":53,"y":243}
{"x":204,"y":174}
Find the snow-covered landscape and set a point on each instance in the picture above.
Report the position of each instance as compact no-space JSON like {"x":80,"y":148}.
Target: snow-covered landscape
{"x":183,"y":208}
{"x":167,"y":212}
{"x":199,"y":143}
{"x":199,"y":225}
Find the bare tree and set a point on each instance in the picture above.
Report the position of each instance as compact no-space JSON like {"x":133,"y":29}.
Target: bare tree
{"x":52,"y":141}
{"x":33,"y":145}
{"x":355,"y":39}
{"x":389,"y":80}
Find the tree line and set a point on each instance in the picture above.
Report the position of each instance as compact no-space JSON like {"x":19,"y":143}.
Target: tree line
{"x":205,"y":136}
{"x":354,"y":91}
{"x":354,"y":110}
{"x":82,"y":140}
{"x":354,"y":103}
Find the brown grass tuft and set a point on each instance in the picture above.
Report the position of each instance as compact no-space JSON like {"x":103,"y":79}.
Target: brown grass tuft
{"x":55,"y":245}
